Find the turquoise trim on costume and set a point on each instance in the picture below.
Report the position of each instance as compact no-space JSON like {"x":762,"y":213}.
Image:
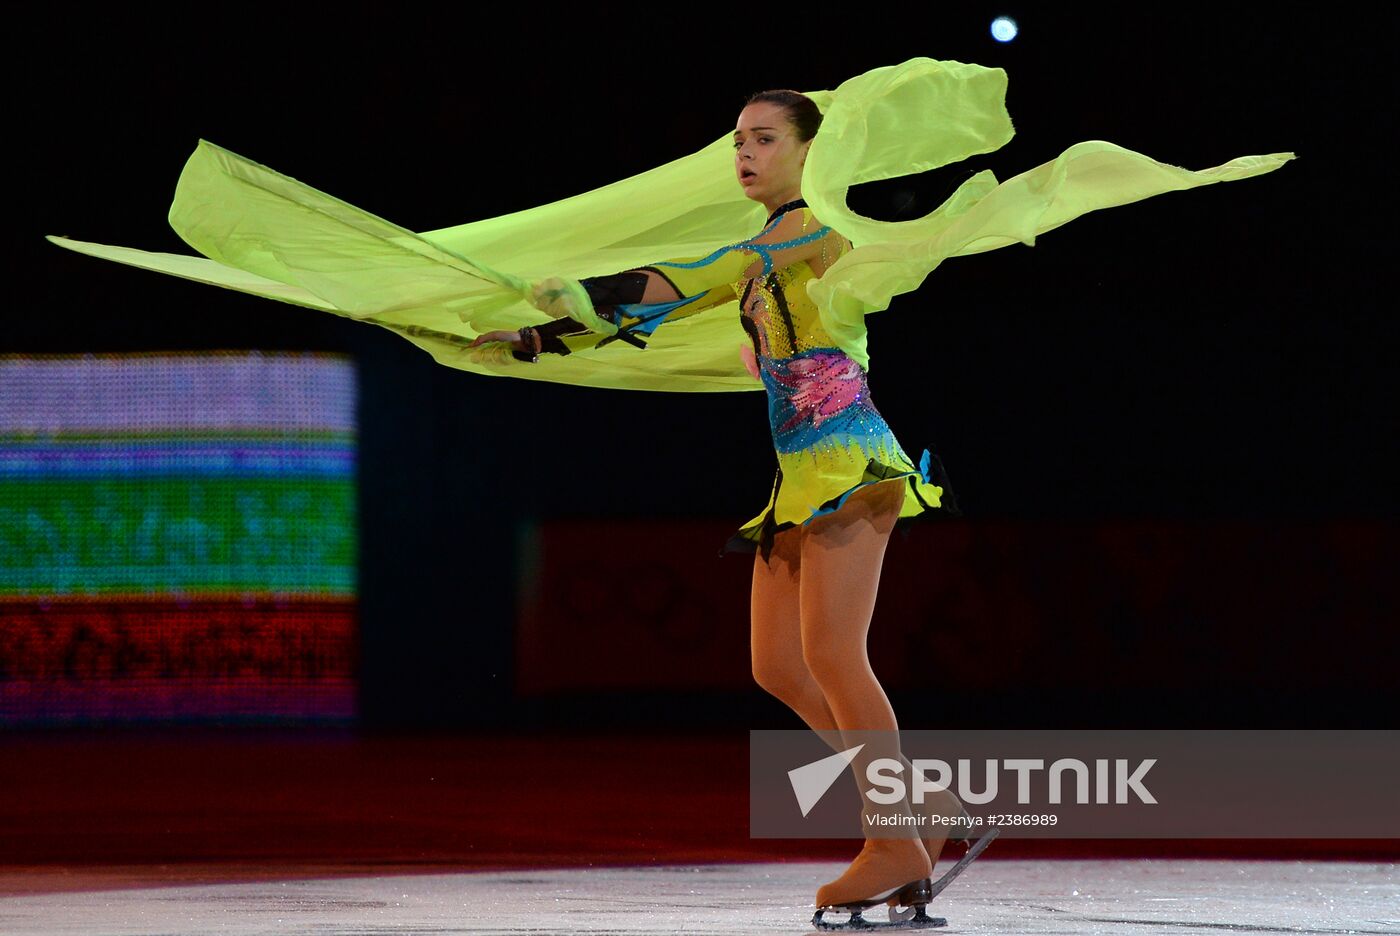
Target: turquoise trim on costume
{"x":924,"y":466}
{"x":653,"y":314}
{"x":763,"y":250}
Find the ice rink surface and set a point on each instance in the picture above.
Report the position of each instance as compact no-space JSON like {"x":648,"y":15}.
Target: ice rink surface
{"x":1156,"y":897}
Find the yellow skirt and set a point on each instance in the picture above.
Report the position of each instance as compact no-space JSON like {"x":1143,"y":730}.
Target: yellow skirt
{"x":831,"y":441}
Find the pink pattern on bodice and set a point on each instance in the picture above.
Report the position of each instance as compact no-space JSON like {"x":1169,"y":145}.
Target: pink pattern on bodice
{"x":819,"y":387}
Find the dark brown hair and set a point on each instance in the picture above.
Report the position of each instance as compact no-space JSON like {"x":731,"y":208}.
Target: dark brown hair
{"x":802,"y":111}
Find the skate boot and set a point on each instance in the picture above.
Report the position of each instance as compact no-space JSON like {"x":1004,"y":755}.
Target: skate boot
{"x":887,"y":871}
{"x":944,"y":804}
{"x":971,"y":839}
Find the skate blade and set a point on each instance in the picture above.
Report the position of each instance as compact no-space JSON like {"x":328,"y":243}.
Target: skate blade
{"x":912,"y":918}
{"x":911,"y":898}
{"x":977,"y":848}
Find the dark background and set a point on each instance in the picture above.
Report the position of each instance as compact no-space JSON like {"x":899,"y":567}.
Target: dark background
{"x":1217,"y":355}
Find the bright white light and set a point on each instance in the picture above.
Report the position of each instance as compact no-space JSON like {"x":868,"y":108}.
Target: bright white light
{"x":1004,"y":29}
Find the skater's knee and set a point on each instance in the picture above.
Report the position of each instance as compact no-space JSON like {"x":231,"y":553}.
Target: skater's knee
{"x":832,"y":665}
{"x":785,"y":680}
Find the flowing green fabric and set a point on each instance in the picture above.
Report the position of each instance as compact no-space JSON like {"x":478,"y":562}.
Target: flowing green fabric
{"x":269,"y":235}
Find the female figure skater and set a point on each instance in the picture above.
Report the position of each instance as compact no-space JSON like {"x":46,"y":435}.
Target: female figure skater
{"x":842,"y":483}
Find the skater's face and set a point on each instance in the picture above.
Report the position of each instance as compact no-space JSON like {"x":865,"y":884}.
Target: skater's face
{"x":768,"y":156}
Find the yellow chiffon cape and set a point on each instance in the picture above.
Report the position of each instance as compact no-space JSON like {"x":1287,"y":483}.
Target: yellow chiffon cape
{"x":264,"y":233}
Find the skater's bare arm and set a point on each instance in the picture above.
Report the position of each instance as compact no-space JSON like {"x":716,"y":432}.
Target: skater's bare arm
{"x":658,"y":288}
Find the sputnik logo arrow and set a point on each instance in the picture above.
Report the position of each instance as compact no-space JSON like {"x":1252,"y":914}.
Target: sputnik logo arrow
{"x":811,"y":781}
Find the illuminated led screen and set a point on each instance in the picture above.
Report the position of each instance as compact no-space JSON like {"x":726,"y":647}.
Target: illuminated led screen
{"x":177,"y":538}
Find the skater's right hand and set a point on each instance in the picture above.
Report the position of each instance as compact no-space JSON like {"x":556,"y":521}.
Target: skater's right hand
{"x":498,"y":347}
{"x":511,"y":336}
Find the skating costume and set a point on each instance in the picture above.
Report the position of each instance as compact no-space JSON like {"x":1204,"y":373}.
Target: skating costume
{"x":829,"y":438}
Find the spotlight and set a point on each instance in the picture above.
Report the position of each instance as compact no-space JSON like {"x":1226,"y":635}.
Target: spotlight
{"x":1004,"y":29}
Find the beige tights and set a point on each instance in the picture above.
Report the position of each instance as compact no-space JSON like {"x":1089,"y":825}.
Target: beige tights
{"x":817,"y":592}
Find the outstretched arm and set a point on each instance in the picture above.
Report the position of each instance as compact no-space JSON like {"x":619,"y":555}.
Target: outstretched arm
{"x":675,"y":289}
{"x":608,"y":294}
{"x":636,"y":301}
